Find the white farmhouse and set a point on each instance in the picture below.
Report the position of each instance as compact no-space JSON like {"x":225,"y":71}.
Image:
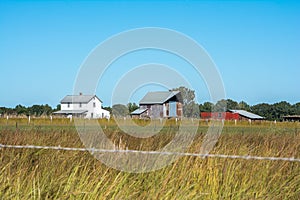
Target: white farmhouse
{"x":87,"y":106}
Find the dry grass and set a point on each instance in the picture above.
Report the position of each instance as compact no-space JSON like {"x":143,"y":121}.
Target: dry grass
{"x":50,"y":174}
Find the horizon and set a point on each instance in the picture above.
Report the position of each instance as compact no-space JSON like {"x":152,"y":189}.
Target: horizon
{"x":137,"y":103}
{"x":255,"y":46}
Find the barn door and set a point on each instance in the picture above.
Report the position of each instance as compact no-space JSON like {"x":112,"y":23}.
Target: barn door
{"x":172,"y":109}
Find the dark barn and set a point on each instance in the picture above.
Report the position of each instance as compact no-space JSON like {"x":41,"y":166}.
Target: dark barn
{"x":163,"y":104}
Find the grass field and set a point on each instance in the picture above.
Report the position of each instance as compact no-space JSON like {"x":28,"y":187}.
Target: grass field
{"x":52,"y":174}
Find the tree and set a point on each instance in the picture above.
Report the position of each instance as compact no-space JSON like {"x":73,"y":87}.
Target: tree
{"x":188,"y":95}
{"x":206,"y":107}
{"x":35,"y":110}
{"x":8,"y":111}
{"x":281,"y":109}
{"x":296,"y":109}
{"x":244,"y":106}
{"x":108,"y":108}
{"x":39,"y":110}
{"x":232,"y":104}
{"x":47,"y":110}
{"x":132,"y":107}
{"x":220,"y":106}
{"x":58,"y":107}
{"x":190,"y":107}
{"x":21,"y":110}
{"x":192,"y":110}
{"x":1,"y":111}
{"x":263,"y":109}
{"x":120,"y":110}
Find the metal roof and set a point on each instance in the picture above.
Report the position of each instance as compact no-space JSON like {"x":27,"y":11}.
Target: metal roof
{"x":292,"y":116}
{"x":78,"y":98}
{"x":158,"y":97}
{"x":138,"y":111}
{"x":70,"y":112}
{"x":247,"y":114}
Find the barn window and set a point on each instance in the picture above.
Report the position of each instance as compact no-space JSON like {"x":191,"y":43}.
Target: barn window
{"x":68,"y":105}
{"x":220,"y":115}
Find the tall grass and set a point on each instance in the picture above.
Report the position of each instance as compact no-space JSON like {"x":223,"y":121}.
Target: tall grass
{"x":50,"y":174}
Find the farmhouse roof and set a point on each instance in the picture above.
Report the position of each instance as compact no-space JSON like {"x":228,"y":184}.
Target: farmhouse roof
{"x":158,"y":97}
{"x":247,"y":114}
{"x":138,"y":111}
{"x":78,"y":98}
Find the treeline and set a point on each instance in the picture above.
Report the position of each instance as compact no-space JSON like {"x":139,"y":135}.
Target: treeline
{"x":35,"y":110}
{"x":270,"y":111}
{"x":191,"y":109}
{"x":46,"y":110}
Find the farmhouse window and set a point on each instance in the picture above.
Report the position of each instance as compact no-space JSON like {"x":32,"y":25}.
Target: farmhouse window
{"x":80,"y":105}
{"x":94,"y":104}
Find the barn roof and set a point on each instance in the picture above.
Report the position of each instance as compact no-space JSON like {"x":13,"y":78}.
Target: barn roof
{"x":158,"y":97}
{"x":139,"y":111}
{"x":78,"y":98}
{"x":247,"y":114}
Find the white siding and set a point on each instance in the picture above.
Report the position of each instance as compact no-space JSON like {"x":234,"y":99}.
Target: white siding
{"x":64,"y":106}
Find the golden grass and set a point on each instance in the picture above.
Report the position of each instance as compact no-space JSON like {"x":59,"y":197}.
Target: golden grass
{"x":50,"y":174}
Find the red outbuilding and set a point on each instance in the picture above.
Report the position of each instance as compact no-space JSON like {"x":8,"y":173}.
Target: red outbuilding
{"x":231,"y":115}
{"x":219,"y":115}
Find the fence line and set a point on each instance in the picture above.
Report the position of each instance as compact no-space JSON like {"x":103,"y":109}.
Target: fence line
{"x":93,"y":150}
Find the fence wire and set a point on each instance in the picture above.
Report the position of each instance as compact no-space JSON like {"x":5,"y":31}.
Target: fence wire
{"x":93,"y":150}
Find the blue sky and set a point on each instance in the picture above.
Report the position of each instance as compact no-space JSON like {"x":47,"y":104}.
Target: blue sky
{"x":254,"y":44}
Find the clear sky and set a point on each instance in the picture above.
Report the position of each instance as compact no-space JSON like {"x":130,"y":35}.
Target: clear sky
{"x":255,"y":45}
